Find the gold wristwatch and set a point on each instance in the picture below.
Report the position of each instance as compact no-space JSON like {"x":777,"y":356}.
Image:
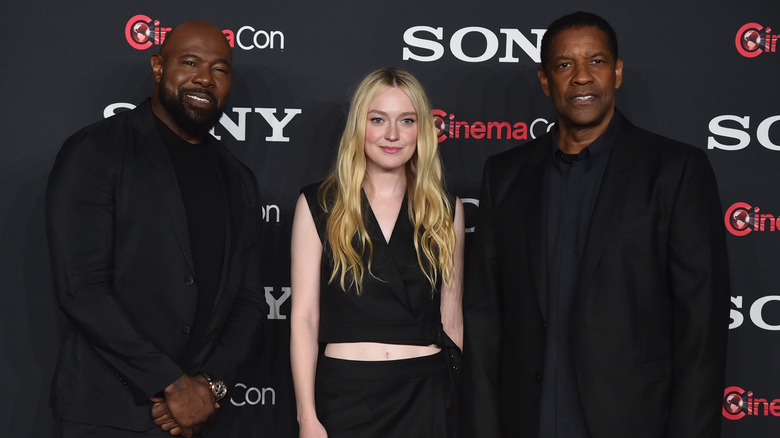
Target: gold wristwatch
{"x":218,"y":387}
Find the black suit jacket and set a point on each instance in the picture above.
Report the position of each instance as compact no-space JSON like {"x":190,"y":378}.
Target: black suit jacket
{"x":649,"y":325}
{"x":123,"y":272}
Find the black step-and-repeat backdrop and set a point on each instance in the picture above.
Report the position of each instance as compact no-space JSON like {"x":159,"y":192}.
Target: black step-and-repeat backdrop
{"x":707,"y":73}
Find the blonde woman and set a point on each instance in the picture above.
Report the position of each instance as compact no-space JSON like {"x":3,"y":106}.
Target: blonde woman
{"x":377,"y":273}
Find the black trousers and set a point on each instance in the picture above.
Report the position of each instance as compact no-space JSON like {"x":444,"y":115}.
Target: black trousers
{"x":398,"y":398}
{"x":78,"y":430}
{"x":70,"y":429}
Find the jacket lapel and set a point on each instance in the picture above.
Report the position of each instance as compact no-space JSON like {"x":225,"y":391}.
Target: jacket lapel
{"x":608,"y":209}
{"x":152,"y":146}
{"x":387,"y":268}
{"x":234,"y":205}
{"x":535,"y":212}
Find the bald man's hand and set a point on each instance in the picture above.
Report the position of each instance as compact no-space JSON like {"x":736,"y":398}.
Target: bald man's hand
{"x":162,"y":417}
{"x":185,"y":407}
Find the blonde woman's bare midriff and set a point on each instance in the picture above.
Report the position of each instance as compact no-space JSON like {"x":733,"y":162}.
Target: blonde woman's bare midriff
{"x":378,"y":351}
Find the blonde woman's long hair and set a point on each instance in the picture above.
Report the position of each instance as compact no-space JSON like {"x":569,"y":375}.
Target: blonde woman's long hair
{"x":429,"y":207}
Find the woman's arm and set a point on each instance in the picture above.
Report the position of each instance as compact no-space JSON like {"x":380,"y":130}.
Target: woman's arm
{"x":452,"y":288}
{"x":305,"y":318}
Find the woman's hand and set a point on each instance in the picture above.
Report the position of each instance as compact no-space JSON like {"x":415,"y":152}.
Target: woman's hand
{"x":312,"y":429}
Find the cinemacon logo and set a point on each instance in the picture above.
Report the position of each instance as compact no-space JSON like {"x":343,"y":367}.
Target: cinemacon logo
{"x":742,"y":219}
{"x":739,"y":403}
{"x":424,"y":44}
{"x":756,"y":313}
{"x":447,"y":126}
{"x":243,"y":395}
{"x":737,"y":130}
{"x":754,"y":39}
{"x":143,"y":32}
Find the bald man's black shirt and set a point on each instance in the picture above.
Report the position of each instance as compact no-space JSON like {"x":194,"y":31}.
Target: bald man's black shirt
{"x":203,"y":195}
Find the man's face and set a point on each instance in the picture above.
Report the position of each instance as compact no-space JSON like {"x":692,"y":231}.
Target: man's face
{"x":193,"y":76}
{"x":581,"y":78}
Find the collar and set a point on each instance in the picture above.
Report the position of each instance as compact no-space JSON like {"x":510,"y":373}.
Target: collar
{"x":595,"y":152}
{"x":171,"y":139}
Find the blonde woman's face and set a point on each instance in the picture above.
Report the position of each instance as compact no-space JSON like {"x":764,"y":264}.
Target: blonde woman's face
{"x":391,"y":132}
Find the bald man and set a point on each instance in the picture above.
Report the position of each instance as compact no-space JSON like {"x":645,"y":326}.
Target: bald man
{"x":153,"y":243}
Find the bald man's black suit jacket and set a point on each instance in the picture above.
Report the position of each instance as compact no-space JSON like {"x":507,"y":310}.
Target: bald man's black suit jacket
{"x":123,"y":271}
{"x":650,"y":316}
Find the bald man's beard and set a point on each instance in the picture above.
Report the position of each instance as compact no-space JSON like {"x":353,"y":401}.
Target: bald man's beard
{"x":192,"y":120}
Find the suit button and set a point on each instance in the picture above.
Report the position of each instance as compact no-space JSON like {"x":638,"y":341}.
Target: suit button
{"x":544,"y":325}
{"x":537,"y":378}
{"x":189,"y":281}
{"x":185,"y":329}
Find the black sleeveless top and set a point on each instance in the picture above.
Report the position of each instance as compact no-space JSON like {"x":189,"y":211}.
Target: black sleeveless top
{"x":396,"y":304}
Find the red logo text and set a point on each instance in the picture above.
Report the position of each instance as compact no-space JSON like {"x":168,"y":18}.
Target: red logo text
{"x":742,"y":219}
{"x":738,"y":403}
{"x":754,"y":39}
{"x":143,"y":32}
{"x":447,"y":126}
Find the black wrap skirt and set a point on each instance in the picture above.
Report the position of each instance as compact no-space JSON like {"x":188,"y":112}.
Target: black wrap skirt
{"x":397,"y":398}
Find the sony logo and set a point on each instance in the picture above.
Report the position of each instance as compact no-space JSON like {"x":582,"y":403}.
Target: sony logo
{"x":236,"y":129}
{"x":423,"y":43}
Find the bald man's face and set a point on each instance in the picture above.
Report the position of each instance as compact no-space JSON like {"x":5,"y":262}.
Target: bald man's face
{"x":193,"y":73}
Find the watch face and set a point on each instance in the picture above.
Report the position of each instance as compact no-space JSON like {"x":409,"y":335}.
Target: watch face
{"x":220,"y":389}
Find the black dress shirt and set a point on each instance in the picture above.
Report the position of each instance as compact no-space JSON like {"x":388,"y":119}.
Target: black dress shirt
{"x":572,"y":187}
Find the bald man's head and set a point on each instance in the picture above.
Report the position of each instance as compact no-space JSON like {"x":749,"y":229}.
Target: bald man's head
{"x":192,"y":74}
{"x":193,"y":28}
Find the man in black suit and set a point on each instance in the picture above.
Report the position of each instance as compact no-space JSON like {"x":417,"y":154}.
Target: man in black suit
{"x":152,"y":229}
{"x":597,"y":293}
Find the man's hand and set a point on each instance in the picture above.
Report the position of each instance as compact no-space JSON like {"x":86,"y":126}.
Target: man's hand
{"x":162,"y":417}
{"x":185,"y":406}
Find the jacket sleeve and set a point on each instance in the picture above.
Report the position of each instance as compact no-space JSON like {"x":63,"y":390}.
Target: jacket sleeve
{"x":482,"y":334}
{"x":698,"y":265}
{"x":80,"y":227}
